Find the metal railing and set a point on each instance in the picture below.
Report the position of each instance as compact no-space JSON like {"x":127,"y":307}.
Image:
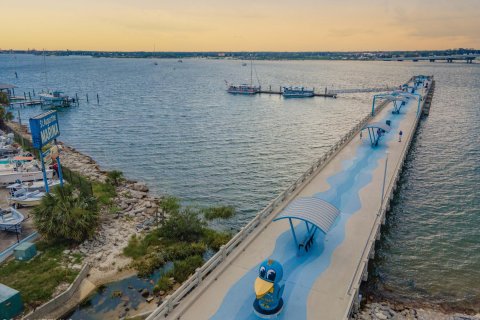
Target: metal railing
{"x":362,"y":265}
{"x":201,"y":273}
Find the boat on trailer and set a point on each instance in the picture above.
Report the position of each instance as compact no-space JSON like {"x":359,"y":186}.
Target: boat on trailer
{"x":32,"y":185}
{"x":11,"y":219}
{"x":26,"y":198}
{"x":297,"y":92}
{"x":7,"y":177}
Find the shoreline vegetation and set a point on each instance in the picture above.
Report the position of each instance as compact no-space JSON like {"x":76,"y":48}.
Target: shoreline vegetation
{"x":183,"y":239}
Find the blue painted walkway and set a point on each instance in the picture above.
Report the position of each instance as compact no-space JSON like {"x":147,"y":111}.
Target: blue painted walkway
{"x":316,"y":284}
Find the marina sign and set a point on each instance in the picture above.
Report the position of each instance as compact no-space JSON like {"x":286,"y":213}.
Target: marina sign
{"x":44,"y":128}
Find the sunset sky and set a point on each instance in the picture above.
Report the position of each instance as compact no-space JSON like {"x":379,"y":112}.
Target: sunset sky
{"x":247,"y":25}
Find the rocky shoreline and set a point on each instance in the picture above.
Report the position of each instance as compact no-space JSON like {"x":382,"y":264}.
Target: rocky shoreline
{"x":387,"y":310}
{"x":138,"y":211}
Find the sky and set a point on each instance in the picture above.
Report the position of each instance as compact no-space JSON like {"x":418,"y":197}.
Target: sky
{"x":246,"y":25}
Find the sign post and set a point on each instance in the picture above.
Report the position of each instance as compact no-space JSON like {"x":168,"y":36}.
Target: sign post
{"x":45,"y":129}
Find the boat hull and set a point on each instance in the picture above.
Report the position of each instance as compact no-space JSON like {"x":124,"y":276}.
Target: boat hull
{"x":27,"y":203}
{"x":11,"y":177}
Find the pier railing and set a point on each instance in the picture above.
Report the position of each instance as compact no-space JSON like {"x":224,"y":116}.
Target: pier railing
{"x":199,"y":276}
{"x":361,"y":272}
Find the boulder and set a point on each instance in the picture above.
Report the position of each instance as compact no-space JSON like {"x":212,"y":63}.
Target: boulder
{"x":139,"y":186}
{"x":145,"y":293}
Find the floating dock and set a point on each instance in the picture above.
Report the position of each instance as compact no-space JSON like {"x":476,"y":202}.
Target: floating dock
{"x":356,"y":177}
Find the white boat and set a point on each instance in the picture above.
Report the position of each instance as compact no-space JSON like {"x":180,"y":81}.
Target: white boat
{"x":297,"y":92}
{"x":27,"y":198}
{"x":245,"y":88}
{"x":55,"y":99}
{"x":7,"y":177}
{"x":32,"y":186}
{"x":11,"y":219}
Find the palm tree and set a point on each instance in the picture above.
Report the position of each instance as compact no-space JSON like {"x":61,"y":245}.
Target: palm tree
{"x":66,"y":214}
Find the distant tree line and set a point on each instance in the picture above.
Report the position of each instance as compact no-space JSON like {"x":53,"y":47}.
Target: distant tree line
{"x":264,"y":55}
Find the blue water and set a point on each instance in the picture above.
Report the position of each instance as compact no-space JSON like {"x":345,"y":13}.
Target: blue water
{"x":174,"y":126}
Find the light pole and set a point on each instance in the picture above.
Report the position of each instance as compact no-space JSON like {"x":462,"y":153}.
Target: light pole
{"x":384,"y":178}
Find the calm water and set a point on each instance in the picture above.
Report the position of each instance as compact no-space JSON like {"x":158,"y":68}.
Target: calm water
{"x":174,"y":126}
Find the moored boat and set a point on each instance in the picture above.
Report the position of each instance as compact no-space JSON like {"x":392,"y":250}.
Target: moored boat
{"x":297,"y":92}
{"x":243,"y":89}
{"x":55,"y":99}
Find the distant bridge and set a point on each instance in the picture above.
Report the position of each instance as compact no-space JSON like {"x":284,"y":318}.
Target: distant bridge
{"x":468,"y":58}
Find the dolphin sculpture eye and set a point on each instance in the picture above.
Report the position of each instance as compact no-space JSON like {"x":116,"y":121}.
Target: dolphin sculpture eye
{"x":262,"y":272}
{"x":271,"y":274}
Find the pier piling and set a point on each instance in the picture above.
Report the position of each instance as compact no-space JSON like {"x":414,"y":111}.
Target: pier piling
{"x":98,"y":99}
{"x":87,"y":98}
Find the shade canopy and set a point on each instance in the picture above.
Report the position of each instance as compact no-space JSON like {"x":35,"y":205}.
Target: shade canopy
{"x":378,"y":125}
{"x":316,"y":211}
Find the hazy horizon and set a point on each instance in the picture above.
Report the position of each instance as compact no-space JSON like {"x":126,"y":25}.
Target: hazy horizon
{"x":268,"y":25}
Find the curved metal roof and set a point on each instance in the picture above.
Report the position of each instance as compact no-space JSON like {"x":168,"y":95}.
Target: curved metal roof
{"x":380,"y":125}
{"x":316,"y":211}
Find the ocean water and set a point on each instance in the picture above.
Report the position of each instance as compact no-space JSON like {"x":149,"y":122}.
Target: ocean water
{"x":174,"y":126}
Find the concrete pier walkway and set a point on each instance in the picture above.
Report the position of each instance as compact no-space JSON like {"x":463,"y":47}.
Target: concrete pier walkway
{"x":322,"y":284}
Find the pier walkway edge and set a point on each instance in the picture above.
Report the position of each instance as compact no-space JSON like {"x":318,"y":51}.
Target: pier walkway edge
{"x":190,"y":301}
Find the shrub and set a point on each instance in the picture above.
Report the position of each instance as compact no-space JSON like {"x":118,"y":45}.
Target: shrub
{"x":115,"y":177}
{"x":182,"y":250}
{"x":147,"y":265}
{"x":221,"y":212}
{"x":170,"y":205}
{"x":163,"y":284}
{"x":63,"y":214}
{"x":215,"y":239}
{"x":184,"y":225}
{"x":182,"y":269}
{"x":135,"y":248}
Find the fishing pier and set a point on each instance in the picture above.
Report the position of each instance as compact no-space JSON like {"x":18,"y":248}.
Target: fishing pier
{"x":322,"y":229}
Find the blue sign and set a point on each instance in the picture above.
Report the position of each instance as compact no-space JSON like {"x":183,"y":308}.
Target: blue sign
{"x":44,"y":128}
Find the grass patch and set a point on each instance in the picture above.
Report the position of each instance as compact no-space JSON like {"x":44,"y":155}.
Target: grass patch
{"x":104,"y":192}
{"x":37,"y":279}
{"x":220,"y":212}
{"x":114,"y":209}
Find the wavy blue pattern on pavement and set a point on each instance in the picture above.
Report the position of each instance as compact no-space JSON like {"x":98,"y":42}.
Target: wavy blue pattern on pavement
{"x":300,"y":272}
